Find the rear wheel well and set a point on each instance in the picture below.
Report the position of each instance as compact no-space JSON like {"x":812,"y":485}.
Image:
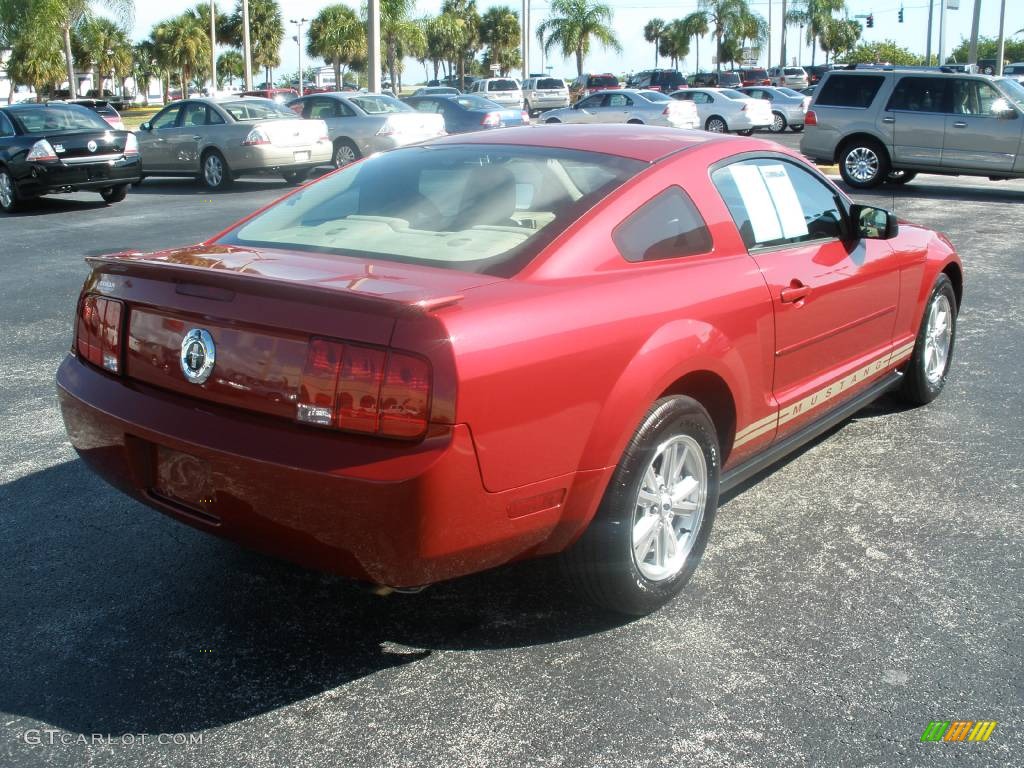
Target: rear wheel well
{"x":859,"y":137}
{"x":956,"y":277}
{"x":711,"y":391}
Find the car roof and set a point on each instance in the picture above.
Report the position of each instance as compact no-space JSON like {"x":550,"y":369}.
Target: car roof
{"x":636,"y":142}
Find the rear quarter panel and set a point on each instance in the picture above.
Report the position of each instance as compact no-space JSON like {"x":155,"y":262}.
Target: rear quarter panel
{"x":558,"y":366}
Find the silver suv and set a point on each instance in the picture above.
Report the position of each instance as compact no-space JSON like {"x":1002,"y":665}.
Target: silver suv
{"x":890,"y":125}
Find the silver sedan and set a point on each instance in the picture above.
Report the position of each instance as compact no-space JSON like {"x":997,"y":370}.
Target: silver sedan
{"x":217,"y":140}
{"x":626,"y":106}
{"x":724,"y":109}
{"x":788,"y":109}
{"x":361,"y":124}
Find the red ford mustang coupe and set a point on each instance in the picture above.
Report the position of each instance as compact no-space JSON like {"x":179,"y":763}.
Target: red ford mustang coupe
{"x":505,"y":345}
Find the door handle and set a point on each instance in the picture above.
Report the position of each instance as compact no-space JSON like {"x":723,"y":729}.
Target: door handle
{"x":888,"y":119}
{"x":795,"y":292}
{"x":959,"y":125}
{"x":197,"y":138}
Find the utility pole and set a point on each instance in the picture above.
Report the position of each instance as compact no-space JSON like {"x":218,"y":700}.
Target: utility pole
{"x":246,"y":46}
{"x":1002,"y":38}
{"x":526,"y":38}
{"x":213,"y":47}
{"x":928,"y":45}
{"x":769,"y":33}
{"x":972,"y":52}
{"x":298,"y":39}
{"x":942,"y":32}
{"x":782,"y":57}
{"x":373,"y":84}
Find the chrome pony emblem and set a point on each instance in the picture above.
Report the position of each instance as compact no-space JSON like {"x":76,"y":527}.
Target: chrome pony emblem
{"x":198,"y":355}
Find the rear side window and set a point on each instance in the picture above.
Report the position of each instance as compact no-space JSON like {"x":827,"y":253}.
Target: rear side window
{"x":666,"y":227}
{"x":602,"y":81}
{"x":849,"y":91}
{"x":774,"y":202}
{"x":6,"y":128}
{"x":921,"y":94}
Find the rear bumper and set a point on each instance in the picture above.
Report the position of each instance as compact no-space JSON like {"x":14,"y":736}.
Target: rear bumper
{"x":376,"y":510}
{"x":268,"y":158}
{"x":744,"y":122}
{"x":46,"y":178}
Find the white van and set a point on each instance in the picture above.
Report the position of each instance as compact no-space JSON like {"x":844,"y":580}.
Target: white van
{"x":501,"y":90}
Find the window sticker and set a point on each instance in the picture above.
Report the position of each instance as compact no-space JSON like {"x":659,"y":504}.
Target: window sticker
{"x":787,"y":206}
{"x":758,"y":201}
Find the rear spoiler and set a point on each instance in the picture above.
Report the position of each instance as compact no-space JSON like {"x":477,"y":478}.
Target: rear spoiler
{"x":222,"y":284}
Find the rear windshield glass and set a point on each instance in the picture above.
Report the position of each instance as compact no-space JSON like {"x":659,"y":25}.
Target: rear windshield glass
{"x":58,"y":118}
{"x":793,"y":71}
{"x":757,"y":74}
{"x":849,"y":91}
{"x":550,"y":82}
{"x":502,"y":85}
{"x":729,"y":78}
{"x":668,"y":79}
{"x":470,"y":101}
{"x":731,"y":94}
{"x":655,"y":96}
{"x":379,"y":105}
{"x":256,"y":109}
{"x":790,"y":92}
{"x":601,"y":81}
{"x":475,"y":208}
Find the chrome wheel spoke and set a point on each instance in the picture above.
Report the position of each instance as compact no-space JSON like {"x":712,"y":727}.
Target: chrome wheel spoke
{"x":644,"y":534}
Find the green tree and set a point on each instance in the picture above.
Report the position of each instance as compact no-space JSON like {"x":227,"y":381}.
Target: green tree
{"x":815,"y":15}
{"x":988,"y":48}
{"x":399,"y":32}
{"x":68,"y":14}
{"x":28,"y":28}
{"x":230,"y":65}
{"x":654,"y":30}
{"x":696,"y":26}
{"x":184,"y":45}
{"x":752,"y":28}
{"x":102,"y":47}
{"x":839,"y":36}
{"x":467,"y":22}
{"x":337,"y":35}
{"x":886,"y":51}
{"x":675,"y":42}
{"x":266,"y":31}
{"x":500,"y":32}
{"x":573,"y":24}
{"x":144,"y":66}
{"x":442,"y":38}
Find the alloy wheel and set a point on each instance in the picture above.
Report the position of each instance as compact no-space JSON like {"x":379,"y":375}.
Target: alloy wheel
{"x":669,"y":508}
{"x":862,"y":164}
{"x":716,"y":125}
{"x":344,"y":155}
{"x":6,"y":191}
{"x":937,"y":337}
{"x":213,"y":170}
{"x":778,"y":123}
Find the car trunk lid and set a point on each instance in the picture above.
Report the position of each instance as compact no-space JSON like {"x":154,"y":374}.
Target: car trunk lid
{"x":413,"y":126}
{"x":88,"y":146}
{"x":292,"y":133}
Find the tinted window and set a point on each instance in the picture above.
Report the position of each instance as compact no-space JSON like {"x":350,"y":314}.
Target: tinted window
{"x":6,"y":126}
{"x":849,"y":91}
{"x":322,"y":108}
{"x":475,"y":208}
{"x":975,"y":97}
{"x":920,"y":94}
{"x":502,"y":85}
{"x":794,"y":71}
{"x":380,"y":105}
{"x":728,"y":79}
{"x":62,"y":118}
{"x":592,"y":102}
{"x":549,"y":82}
{"x":663,"y":228}
{"x":655,"y":96}
{"x":619,"y":100}
{"x":774,"y":202}
{"x":602,"y":81}
{"x":729,"y":93}
{"x":256,"y":109}
{"x":167,"y":118}
{"x":195,"y":114}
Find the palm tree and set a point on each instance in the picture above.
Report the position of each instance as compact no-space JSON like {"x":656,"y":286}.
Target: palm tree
{"x":815,"y":16}
{"x":653,"y":32}
{"x":442,"y":33}
{"x":573,"y":24}
{"x":144,"y":66}
{"x":99,"y":45}
{"x":230,"y":65}
{"x":266,"y":31}
{"x":28,"y":28}
{"x":839,"y":36}
{"x":185,"y":45}
{"x":70,"y":13}
{"x":337,"y":35}
{"x":500,"y":32}
{"x":726,"y":18}
{"x":696,"y":25}
{"x":467,"y":20}
{"x":675,"y":43}
{"x":397,"y":27}
{"x":753,"y":28}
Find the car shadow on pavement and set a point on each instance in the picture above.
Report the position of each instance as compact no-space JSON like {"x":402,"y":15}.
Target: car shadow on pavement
{"x":48,"y":206}
{"x":119,"y":620}
{"x":187,"y":186}
{"x":931,"y":189}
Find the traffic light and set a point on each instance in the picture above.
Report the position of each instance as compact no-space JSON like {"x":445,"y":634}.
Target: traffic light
{"x":871,"y":20}
{"x":901,"y":14}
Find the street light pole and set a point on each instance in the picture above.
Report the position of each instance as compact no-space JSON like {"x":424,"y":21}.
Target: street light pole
{"x":213,"y":47}
{"x":246,"y":46}
{"x":298,"y":39}
{"x":1002,"y":38}
{"x":526,"y":38}
{"x":373,"y":46}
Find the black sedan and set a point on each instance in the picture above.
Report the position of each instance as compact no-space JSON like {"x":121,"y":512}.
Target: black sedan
{"x":468,"y":112}
{"x":55,"y":147}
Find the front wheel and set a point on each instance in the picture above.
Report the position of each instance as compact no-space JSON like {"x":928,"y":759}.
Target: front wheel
{"x":863,"y":164}
{"x":652,"y":526}
{"x":8,"y":193}
{"x":925,"y":375}
{"x":114,"y":194}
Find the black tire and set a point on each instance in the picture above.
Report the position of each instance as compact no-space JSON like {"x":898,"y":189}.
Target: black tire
{"x":716,"y":124}
{"x":896,"y":176}
{"x":551,"y":120}
{"x":601,"y":564}
{"x":796,"y":128}
{"x":749,"y":132}
{"x":779,"y":123}
{"x":10,"y":200}
{"x":345,"y":153}
{"x":294,"y":178}
{"x":634,"y":122}
{"x":215,"y":179}
{"x":918,"y":388}
{"x":863,"y":163}
{"x":137,"y":184}
{"x":114,"y":194}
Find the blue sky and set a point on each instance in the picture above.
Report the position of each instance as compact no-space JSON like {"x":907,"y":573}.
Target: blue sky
{"x":631,"y":15}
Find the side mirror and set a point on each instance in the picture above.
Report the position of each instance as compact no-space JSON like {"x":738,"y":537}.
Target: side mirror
{"x":873,"y":223}
{"x":1002,"y":109}
{"x":146,"y":126}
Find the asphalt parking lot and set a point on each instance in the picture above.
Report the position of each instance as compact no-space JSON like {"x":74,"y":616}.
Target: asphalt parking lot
{"x":869,"y":585}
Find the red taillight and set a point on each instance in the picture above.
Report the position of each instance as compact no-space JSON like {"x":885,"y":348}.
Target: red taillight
{"x":525,"y":116}
{"x":364,"y":389}
{"x":98,"y":332}
{"x":491,"y":120}
{"x":810,"y":118}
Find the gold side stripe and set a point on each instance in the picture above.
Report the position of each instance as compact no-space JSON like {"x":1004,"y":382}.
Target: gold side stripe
{"x":819,"y":398}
